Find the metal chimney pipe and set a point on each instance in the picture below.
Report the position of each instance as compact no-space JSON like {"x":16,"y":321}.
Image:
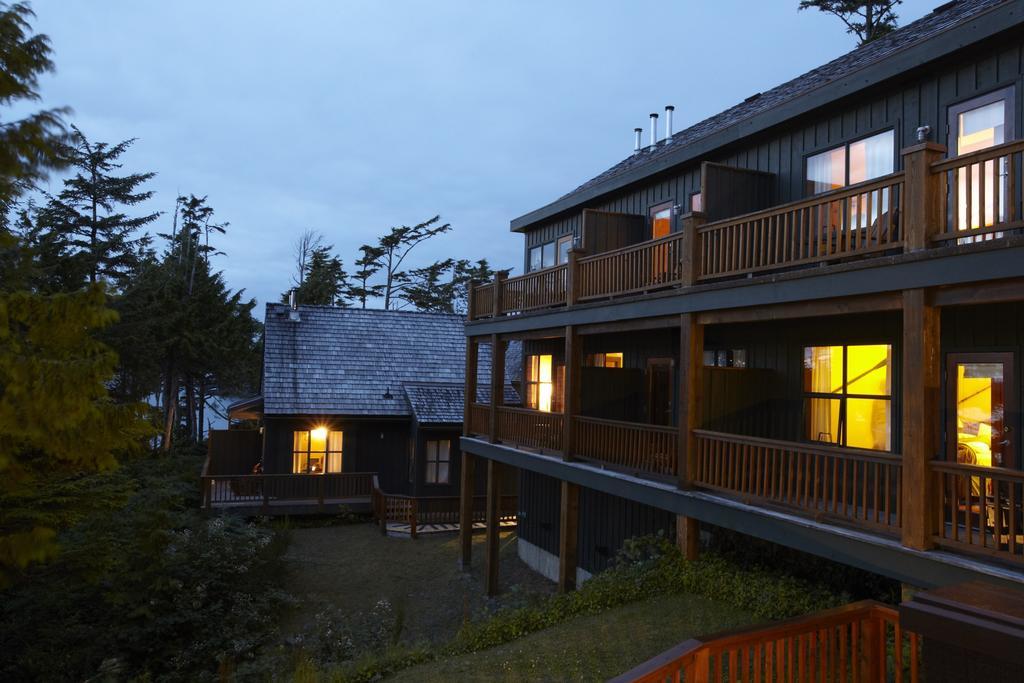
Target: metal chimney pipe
{"x":668,"y":121}
{"x":654,"y":129}
{"x":291,"y":300}
{"x":638,"y":132}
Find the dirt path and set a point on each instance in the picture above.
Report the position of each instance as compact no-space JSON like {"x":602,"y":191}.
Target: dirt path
{"x":353,"y":566}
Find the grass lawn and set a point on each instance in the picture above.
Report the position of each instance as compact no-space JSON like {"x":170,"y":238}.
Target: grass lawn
{"x":352,"y":567}
{"x":589,"y":648}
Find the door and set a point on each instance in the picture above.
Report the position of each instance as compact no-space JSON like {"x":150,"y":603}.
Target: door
{"x":981,"y":403}
{"x":659,"y":391}
{"x":981,"y":190}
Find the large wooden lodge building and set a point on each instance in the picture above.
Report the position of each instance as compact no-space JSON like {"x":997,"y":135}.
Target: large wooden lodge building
{"x":801,"y":319}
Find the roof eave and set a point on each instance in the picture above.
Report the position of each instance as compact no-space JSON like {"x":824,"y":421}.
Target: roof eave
{"x":981,"y":27}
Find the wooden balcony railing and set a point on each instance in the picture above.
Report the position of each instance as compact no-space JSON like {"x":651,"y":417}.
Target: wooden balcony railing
{"x":483,"y":299}
{"x":275,"y":489}
{"x":640,"y":268}
{"x":980,"y":199}
{"x":644,"y":448}
{"x":417,"y":512}
{"x":859,"y":642}
{"x":530,"y":428}
{"x":479,"y":419}
{"x":980,"y":509}
{"x":540,"y":289}
{"x":854,"y":485}
{"x":860,"y":219}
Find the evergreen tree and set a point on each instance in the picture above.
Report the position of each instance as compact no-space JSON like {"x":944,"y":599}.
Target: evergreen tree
{"x":396,"y":246}
{"x":325,"y":283}
{"x":443,"y":286}
{"x":88,"y":212}
{"x":369,"y":264}
{"x":30,"y":146}
{"x":867,"y":19}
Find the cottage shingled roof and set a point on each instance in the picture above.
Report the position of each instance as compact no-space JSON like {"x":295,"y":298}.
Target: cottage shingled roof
{"x":342,"y":361}
{"x":945,"y":16}
{"x":443,"y":403}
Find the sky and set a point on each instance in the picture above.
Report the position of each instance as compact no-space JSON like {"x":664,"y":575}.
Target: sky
{"x":351,"y":116}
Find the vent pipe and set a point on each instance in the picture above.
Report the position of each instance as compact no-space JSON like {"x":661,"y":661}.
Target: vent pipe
{"x":654,"y":129}
{"x":638,"y":132}
{"x":668,"y":121}
{"x":291,"y":300}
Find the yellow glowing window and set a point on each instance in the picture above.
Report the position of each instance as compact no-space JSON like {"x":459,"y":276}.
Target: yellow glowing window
{"x":544,"y":382}
{"x":848,"y":395}
{"x":605,"y":360}
{"x":316,"y":450}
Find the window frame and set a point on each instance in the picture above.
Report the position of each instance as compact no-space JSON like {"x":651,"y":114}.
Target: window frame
{"x":554,"y":245}
{"x":1007,"y":92}
{"x":655,"y":209}
{"x":327,"y":452}
{"x":845,"y":146}
{"x":844,"y":395}
{"x":434,"y":464}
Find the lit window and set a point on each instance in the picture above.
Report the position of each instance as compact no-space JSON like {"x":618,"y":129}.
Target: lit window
{"x":544,"y":381}
{"x":848,"y":395}
{"x":317,"y":450}
{"x":438,"y":460}
{"x":661,"y":220}
{"x":605,"y":360}
{"x":869,"y":158}
{"x":976,"y":126}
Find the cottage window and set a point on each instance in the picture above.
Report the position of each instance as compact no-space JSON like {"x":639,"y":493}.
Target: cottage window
{"x":317,"y":450}
{"x":549,"y":254}
{"x":605,"y":360}
{"x":544,"y":383}
{"x":848,"y":395}
{"x":856,"y":162}
{"x":438,"y":461}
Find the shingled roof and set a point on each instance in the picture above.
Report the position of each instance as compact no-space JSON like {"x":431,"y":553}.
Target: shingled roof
{"x":342,"y":361}
{"x":656,"y":158}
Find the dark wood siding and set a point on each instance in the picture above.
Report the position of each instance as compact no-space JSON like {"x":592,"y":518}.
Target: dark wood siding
{"x":539,"y":498}
{"x":901,"y":106}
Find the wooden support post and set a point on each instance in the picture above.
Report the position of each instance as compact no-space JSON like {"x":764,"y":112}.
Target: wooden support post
{"x":688,"y":536}
{"x":467,"y":491}
{"x":499,"y":285}
{"x":497,"y":382}
{"x":472,"y":363}
{"x":691,"y":368}
{"x":568,"y":536}
{"x":491,"y":556}
{"x":571,"y":387}
{"x":690,"y":247}
{"x":923,"y":205}
{"x":921,"y":406}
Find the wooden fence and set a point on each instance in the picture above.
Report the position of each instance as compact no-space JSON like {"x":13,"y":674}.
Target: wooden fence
{"x":979,"y":509}
{"x":424,"y":510}
{"x":530,"y":428}
{"x":854,"y":485}
{"x":980,"y":195}
{"x":859,"y":642}
{"x":645,"y":448}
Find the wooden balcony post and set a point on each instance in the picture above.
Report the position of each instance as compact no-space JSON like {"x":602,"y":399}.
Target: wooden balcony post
{"x":471,"y":300}
{"x":467,"y":491}
{"x":571,"y":402}
{"x":921,"y":406}
{"x":572,"y":279}
{"x":472,"y":365}
{"x":497,"y":382}
{"x":568,"y":536}
{"x":499,"y":281}
{"x":691,"y":365}
{"x":690,"y":247}
{"x":491,"y":556}
{"x":923,"y":204}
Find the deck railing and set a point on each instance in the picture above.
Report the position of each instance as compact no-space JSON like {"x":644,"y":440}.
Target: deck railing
{"x":540,"y":289}
{"x":857,"y":220}
{"x":530,"y":428}
{"x":479,"y":419}
{"x":862,"y":641}
{"x":980,"y":200}
{"x":274,"y":489}
{"x":418,"y":511}
{"x":483,"y":299}
{"x":644,"y":448}
{"x":849,"y":484}
{"x":639,"y":268}
{"x":980,"y":509}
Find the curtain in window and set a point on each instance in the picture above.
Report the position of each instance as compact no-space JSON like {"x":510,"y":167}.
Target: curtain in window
{"x":823,"y":370}
{"x":334,"y":451}
{"x":300,"y":451}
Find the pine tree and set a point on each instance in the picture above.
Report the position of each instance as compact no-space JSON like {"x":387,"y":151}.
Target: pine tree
{"x":88,"y":212}
{"x":30,"y":146}
{"x":396,"y":246}
{"x":868,"y":19}
{"x":369,"y":264}
{"x":325,"y":283}
{"x":443,"y":286}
